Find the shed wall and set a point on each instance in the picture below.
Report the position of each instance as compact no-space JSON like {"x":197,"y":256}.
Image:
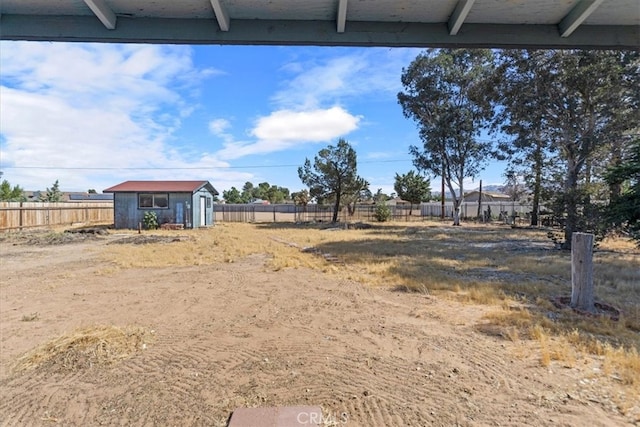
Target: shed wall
{"x":127,"y":215}
{"x":203,"y":192}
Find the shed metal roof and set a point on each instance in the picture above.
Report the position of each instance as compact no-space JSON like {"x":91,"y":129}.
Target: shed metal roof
{"x":161,"y":186}
{"x":419,"y":23}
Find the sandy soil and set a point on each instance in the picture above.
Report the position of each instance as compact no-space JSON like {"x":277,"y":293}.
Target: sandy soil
{"x":234,"y":335}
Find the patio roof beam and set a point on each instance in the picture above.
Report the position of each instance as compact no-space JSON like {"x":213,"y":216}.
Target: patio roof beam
{"x":342,"y":15}
{"x":578,"y":14}
{"x":221,"y":15}
{"x":103,"y":12}
{"x":459,"y":15}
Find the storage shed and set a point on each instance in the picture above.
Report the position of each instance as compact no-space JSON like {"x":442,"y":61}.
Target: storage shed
{"x":185,"y":203}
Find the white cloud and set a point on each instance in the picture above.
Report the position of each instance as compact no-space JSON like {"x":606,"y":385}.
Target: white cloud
{"x":367,"y":72}
{"x":285,"y":129}
{"x":218,"y":126}
{"x":83,"y":113}
{"x":313,"y":125}
{"x":303,"y":117}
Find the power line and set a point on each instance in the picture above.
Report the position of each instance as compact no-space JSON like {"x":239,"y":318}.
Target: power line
{"x":184,"y":168}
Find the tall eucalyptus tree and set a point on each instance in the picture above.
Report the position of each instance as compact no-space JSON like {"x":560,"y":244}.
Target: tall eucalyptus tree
{"x":445,"y":94}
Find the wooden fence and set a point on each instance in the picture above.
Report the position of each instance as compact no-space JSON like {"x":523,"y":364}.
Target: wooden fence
{"x":19,"y":215}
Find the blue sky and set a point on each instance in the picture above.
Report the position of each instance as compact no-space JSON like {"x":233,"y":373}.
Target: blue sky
{"x":94,"y":115}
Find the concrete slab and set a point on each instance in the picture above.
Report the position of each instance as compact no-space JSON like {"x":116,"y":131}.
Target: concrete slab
{"x":284,"y":416}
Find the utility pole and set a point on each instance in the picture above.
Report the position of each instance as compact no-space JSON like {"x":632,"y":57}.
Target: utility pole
{"x":442,"y":195}
{"x":480,"y":202}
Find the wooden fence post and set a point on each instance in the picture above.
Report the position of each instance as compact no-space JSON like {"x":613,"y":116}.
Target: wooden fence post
{"x":582,"y":295}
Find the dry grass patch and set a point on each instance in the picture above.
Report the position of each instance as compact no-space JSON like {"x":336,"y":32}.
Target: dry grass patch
{"x":624,"y":364}
{"x":224,"y":243}
{"x":478,"y":264}
{"x":483,"y":264}
{"x":557,"y":344}
{"x":487,"y":264}
{"x":85,"y":348}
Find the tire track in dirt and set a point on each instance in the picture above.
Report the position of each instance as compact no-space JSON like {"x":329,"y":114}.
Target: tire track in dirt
{"x":157,"y":402}
{"x":42,"y":391}
{"x":236,"y":334}
{"x":390,"y":380}
{"x":393,"y":377}
{"x":381,"y":393}
{"x":170,"y":377}
{"x":387,"y":383}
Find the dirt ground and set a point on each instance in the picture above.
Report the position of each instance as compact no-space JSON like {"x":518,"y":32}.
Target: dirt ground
{"x":237,"y":334}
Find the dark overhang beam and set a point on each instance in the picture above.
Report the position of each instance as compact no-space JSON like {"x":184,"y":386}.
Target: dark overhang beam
{"x":577,"y":15}
{"x":319,"y":33}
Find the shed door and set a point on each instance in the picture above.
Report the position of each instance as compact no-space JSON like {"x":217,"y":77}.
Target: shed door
{"x":179,"y":214}
{"x":203,"y":211}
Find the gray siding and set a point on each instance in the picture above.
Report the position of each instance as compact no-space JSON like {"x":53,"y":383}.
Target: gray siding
{"x":208,"y":207}
{"x":127,"y":215}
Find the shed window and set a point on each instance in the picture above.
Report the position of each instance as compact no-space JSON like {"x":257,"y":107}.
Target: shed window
{"x":153,"y":200}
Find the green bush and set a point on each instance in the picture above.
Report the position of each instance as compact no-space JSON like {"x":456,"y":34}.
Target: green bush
{"x":150,"y":220}
{"x":383,"y":212}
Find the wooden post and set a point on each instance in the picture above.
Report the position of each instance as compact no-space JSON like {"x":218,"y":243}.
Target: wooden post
{"x":582,"y":296}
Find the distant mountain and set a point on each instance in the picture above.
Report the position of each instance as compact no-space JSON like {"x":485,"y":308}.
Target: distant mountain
{"x":491,"y":188}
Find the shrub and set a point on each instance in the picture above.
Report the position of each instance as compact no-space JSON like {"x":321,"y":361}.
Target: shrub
{"x":383,"y":212}
{"x":150,"y":220}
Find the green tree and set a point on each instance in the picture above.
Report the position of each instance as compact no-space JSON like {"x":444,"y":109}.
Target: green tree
{"x":355,"y":193}
{"x":412,"y":187}
{"x":52,"y":194}
{"x":581,"y":103}
{"x":276,"y":194}
{"x":264,"y":191}
{"x":333,"y":174}
{"x":623,"y":210}
{"x":232,"y":196}
{"x":528,"y":147}
{"x":301,"y":198}
{"x":11,"y":194}
{"x":513,"y":185}
{"x":248,"y":191}
{"x":380,"y":196}
{"x":444,"y":94}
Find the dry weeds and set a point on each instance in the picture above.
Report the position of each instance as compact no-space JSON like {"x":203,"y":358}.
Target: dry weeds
{"x":86,"y":347}
{"x":516,"y":270}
